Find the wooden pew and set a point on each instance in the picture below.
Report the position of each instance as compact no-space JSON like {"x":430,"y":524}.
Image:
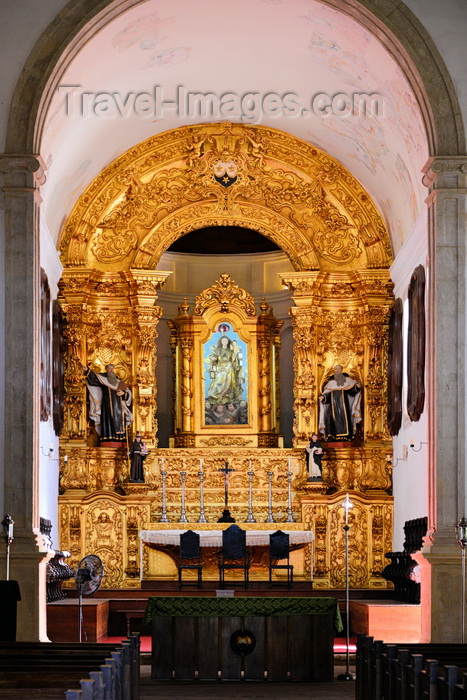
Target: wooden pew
{"x":101,"y":686}
{"x":107,"y":670}
{"x":409,"y":671}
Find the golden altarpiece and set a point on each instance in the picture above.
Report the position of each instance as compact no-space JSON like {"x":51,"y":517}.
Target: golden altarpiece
{"x":226,"y":354}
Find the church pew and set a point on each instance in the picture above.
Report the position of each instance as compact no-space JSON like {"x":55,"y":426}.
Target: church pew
{"x":113,"y":668}
{"x":370,"y":653}
{"x":52,"y":675}
{"x":408,"y":671}
{"x":460,"y":689}
{"x":406,"y":677}
{"x":104,"y":687}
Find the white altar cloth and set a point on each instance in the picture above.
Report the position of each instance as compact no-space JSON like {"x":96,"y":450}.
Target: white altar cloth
{"x":213,"y":538}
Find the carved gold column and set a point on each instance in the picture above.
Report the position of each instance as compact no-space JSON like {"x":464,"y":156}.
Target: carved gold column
{"x":305,"y":358}
{"x":145,"y":316}
{"x":182,"y":349}
{"x":75,"y":291}
{"x":267,"y":341}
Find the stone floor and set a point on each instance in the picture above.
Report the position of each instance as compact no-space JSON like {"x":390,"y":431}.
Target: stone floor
{"x":337,"y":690}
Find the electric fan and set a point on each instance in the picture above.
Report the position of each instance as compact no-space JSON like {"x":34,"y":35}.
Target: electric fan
{"x":88,"y":578}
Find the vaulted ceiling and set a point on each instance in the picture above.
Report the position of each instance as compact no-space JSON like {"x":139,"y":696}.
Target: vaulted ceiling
{"x":296,"y":49}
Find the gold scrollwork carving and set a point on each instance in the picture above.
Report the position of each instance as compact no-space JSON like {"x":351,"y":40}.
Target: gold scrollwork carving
{"x":226,"y":440}
{"x":159,"y":190}
{"x":224,"y":292}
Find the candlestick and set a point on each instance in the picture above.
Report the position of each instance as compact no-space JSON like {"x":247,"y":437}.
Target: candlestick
{"x":183,"y":518}
{"x":163,"y":518}
{"x":270,"y":518}
{"x":250,"y":518}
{"x":202,"y":516}
{"x":290,"y":518}
{"x":8,"y":523}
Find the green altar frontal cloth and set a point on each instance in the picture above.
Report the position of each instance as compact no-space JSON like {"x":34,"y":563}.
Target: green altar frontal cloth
{"x":184,"y":606}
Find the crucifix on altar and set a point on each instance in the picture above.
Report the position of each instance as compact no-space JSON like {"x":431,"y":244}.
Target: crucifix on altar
{"x":226,"y":517}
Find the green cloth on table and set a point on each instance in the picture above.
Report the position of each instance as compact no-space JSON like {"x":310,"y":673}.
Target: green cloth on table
{"x":190,"y":606}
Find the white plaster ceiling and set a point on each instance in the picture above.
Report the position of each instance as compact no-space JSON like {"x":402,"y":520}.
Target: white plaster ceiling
{"x":258,"y":46}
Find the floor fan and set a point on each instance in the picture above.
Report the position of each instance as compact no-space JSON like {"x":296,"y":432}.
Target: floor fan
{"x":88,"y":578}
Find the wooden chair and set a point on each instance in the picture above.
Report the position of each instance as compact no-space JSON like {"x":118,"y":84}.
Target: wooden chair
{"x":234,"y":554}
{"x":190,"y":556}
{"x":279,"y":549}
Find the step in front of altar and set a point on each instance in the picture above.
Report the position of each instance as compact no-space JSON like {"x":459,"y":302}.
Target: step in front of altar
{"x":63,"y":620}
{"x":388,"y":620}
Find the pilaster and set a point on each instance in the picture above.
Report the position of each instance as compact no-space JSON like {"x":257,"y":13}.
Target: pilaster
{"x":446,"y":180}
{"x":21,"y":177}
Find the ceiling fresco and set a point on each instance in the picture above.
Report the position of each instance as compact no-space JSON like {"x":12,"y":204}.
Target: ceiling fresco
{"x":295,"y":66}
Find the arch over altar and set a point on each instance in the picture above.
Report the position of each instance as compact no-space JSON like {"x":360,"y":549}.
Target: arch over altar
{"x":298,"y":196}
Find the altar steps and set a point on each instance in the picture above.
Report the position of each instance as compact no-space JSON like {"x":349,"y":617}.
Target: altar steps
{"x":300,"y":588}
{"x":145,"y":644}
{"x":117,"y":612}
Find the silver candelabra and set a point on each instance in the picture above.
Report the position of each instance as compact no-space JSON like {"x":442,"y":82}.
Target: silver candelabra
{"x":270,"y":518}
{"x":290,"y":518}
{"x":202,"y":517}
{"x":250,"y":518}
{"x":163,"y":518}
{"x":183,"y":518}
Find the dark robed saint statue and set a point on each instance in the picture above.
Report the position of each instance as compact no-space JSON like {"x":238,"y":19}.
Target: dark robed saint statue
{"x":138,"y":453}
{"x":109,"y":404}
{"x":339,"y":410}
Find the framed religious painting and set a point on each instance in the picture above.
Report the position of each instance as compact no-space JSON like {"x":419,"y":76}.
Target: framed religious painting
{"x":395,"y":368}
{"x":58,"y":370}
{"x":224,"y":370}
{"x":225,"y":359}
{"x":416,"y":345}
{"x":46,"y":349}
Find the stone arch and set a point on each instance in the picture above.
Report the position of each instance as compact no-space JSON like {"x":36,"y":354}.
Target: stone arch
{"x":293,"y":193}
{"x":392,"y":22}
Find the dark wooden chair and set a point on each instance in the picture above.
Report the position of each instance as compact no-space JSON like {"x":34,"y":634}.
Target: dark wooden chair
{"x":234,"y":554}
{"x":190,"y":557}
{"x":279,"y":549}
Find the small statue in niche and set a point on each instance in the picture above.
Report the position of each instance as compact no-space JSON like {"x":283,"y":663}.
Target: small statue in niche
{"x":138,"y":453}
{"x":314,"y":454}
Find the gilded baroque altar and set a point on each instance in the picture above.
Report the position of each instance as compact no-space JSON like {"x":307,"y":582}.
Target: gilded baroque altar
{"x":225,"y":346}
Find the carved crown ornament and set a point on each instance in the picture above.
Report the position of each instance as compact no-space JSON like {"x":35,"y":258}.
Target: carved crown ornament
{"x":224,"y":292}
{"x":225,"y":174}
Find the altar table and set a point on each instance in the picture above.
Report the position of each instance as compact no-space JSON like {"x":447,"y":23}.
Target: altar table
{"x":277,"y":639}
{"x":213,"y":538}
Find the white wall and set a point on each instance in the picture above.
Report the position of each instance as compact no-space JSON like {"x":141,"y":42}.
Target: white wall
{"x":410,"y":475}
{"x":49,"y":465}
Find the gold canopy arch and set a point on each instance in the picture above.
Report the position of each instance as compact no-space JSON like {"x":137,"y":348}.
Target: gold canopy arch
{"x":225,"y":174}
{"x":321,"y":217}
